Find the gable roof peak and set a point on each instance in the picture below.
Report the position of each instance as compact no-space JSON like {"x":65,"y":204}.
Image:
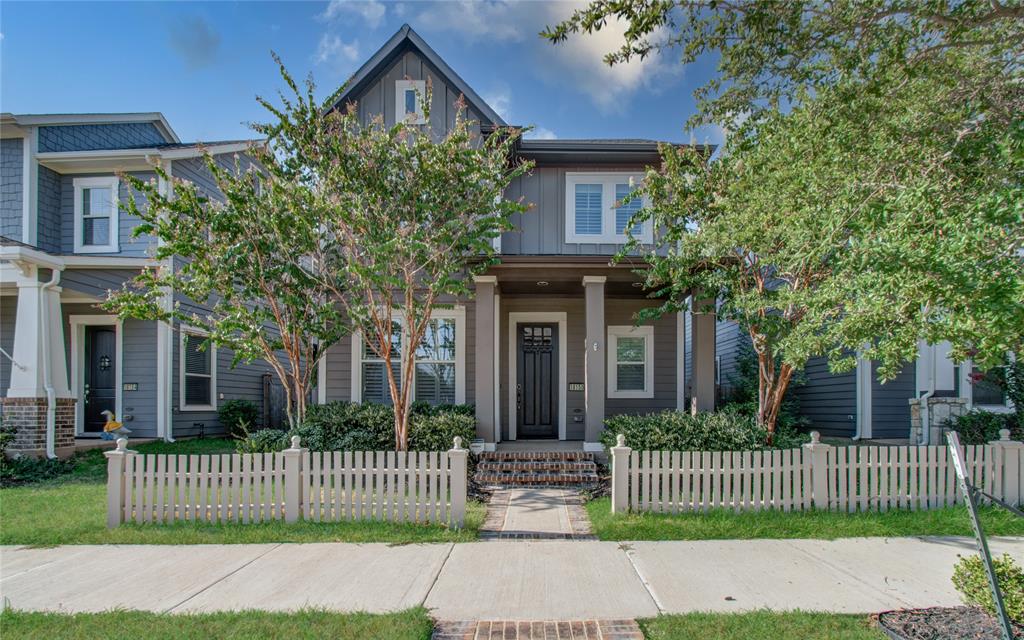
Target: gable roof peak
{"x":406,"y":37}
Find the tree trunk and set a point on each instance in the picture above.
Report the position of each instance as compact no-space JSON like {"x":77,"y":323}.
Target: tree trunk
{"x":771,"y":391}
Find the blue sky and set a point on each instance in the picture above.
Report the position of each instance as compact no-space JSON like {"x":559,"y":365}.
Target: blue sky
{"x":202,"y":64}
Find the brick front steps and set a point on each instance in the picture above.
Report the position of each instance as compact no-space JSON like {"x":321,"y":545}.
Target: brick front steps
{"x":538,"y":630}
{"x":537,"y":468}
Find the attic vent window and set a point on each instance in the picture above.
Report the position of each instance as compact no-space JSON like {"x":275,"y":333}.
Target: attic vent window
{"x":409,"y":95}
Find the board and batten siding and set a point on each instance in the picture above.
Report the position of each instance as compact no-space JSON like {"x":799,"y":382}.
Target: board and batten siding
{"x":11,"y":160}
{"x":541,"y":229}
{"x":379,"y":97}
{"x":829,"y":400}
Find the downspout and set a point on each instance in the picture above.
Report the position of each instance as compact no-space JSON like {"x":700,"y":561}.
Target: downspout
{"x":926,"y":431}
{"x":51,"y":395}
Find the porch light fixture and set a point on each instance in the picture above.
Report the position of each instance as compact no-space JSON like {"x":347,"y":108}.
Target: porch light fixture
{"x":637,"y":285}
{"x":542,"y":283}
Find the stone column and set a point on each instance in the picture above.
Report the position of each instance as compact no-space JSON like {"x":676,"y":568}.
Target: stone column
{"x":38,"y":350}
{"x":594,"y":359}
{"x":703,"y":350}
{"x":486,"y":427}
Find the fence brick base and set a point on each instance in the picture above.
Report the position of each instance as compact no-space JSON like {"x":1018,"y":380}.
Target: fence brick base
{"x":28,"y":417}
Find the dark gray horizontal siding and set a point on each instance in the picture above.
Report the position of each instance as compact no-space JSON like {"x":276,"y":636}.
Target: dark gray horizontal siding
{"x":890,"y":407}
{"x":139,"y":366}
{"x":729,"y":340}
{"x":11,"y":160}
{"x":828,"y":400}
{"x":96,"y":282}
{"x":621,"y":313}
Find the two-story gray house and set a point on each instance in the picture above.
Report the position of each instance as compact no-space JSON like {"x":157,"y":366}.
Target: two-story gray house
{"x":64,"y":242}
{"x":546,"y":348}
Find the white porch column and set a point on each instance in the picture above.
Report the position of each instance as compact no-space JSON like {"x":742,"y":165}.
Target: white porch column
{"x":594,"y":361}
{"x":38,"y":319}
{"x":703,"y":350}
{"x":486,"y":339}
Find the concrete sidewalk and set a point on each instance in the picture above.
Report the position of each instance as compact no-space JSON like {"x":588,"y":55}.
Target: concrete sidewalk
{"x":515,"y":580}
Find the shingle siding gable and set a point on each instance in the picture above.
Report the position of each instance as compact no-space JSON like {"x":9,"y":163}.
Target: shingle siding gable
{"x":97,"y":137}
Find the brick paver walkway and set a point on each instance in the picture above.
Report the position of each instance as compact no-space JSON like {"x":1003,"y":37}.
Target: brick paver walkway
{"x":539,"y":630}
{"x":536,"y":514}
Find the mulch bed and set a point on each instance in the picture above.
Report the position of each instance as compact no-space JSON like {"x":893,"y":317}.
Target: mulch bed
{"x":943,"y":623}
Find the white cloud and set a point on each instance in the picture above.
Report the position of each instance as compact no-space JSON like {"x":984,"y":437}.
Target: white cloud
{"x":332,"y":49}
{"x":540,"y":133}
{"x":501,"y":101}
{"x":577,"y":62}
{"x":371,"y":11}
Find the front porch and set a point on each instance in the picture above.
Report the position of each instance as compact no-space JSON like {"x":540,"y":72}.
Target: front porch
{"x":557,"y":350}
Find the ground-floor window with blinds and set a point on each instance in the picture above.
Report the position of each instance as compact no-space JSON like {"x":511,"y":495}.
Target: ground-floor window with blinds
{"x":436,"y":370}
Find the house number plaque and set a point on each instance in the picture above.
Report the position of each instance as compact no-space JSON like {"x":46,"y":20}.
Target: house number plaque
{"x":575,"y":386}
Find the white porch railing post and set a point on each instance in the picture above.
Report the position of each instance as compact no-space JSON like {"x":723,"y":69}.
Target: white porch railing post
{"x":457,"y":457}
{"x":116,"y":483}
{"x":293,"y":480}
{"x":817,"y":453}
{"x":620,"y":475}
{"x":1008,"y":455}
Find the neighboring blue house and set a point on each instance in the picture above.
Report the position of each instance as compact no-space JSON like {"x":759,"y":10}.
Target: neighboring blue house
{"x":66,"y":242}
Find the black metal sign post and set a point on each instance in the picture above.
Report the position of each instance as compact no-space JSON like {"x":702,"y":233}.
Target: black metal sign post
{"x":979,"y":535}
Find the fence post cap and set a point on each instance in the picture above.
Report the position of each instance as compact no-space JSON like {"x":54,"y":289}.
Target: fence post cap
{"x":457,"y":442}
{"x":815,"y":437}
{"x":1004,"y":435}
{"x":120,"y":449}
{"x":620,"y":440}
{"x":295,"y":442}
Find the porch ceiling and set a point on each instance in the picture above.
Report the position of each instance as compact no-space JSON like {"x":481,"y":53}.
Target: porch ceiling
{"x":565,"y":277}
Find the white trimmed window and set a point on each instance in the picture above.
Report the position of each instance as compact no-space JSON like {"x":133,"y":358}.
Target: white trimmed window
{"x":440,"y":372}
{"x":198,"y":369}
{"x":409,"y":96}
{"x":591,"y":214}
{"x":985,"y":391}
{"x":631,"y":362}
{"x":96,"y":215}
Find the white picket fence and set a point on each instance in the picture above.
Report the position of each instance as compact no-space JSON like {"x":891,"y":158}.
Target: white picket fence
{"x":856,"y":478}
{"x":428,"y":487}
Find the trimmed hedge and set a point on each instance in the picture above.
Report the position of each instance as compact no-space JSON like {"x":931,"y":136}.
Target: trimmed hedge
{"x":237,"y":416}
{"x":724,"y":430}
{"x":348,"y":426}
{"x":982,"y":427}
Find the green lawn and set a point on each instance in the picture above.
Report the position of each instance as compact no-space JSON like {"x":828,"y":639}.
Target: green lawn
{"x":71,"y":509}
{"x":719,"y":524}
{"x":413,"y":624}
{"x":764,"y":625}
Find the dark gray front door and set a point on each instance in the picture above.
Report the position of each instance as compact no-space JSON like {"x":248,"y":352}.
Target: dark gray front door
{"x":100,"y":381}
{"x":537,"y":380}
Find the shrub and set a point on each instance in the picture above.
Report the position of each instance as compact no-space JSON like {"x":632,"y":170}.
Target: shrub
{"x":347,"y":426}
{"x":436,"y":432}
{"x":742,"y":391}
{"x":980,"y":427}
{"x":237,"y":417}
{"x":971,"y":581}
{"x":725,"y":430}
{"x":263,"y":441}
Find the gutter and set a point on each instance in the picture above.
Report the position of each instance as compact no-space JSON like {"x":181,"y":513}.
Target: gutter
{"x":51,"y":396}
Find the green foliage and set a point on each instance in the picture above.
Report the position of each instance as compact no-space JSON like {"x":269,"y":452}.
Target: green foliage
{"x":19,"y":471}
{"x":743,"y":389}
{"x":982,"y":427}
{"x":788,"y":625}
{"x":262,"y":441}
{"x":726,"y":430}
{"x":237,"y":416}
{"x":971,"y":581}
{"x":349,"y":426}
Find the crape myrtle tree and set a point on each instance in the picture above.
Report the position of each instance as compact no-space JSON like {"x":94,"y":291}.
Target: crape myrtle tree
{"x":410,"y":215}
{"x":244,"y":256}
{"x":870,"y":196}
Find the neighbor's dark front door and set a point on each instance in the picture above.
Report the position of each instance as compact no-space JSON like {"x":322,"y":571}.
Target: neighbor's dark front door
{"x":100,"y":381}
{"x":537,"y":380}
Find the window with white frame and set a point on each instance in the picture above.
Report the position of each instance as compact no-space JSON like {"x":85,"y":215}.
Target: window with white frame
{"x":986,"y":389}
{"x":439,"y":376}
{"x":409,"y":97}
{"x":595,"y":210}
{"x":198,"y":366}
{"x":96,"y":214}
{"x":631,"y":362}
